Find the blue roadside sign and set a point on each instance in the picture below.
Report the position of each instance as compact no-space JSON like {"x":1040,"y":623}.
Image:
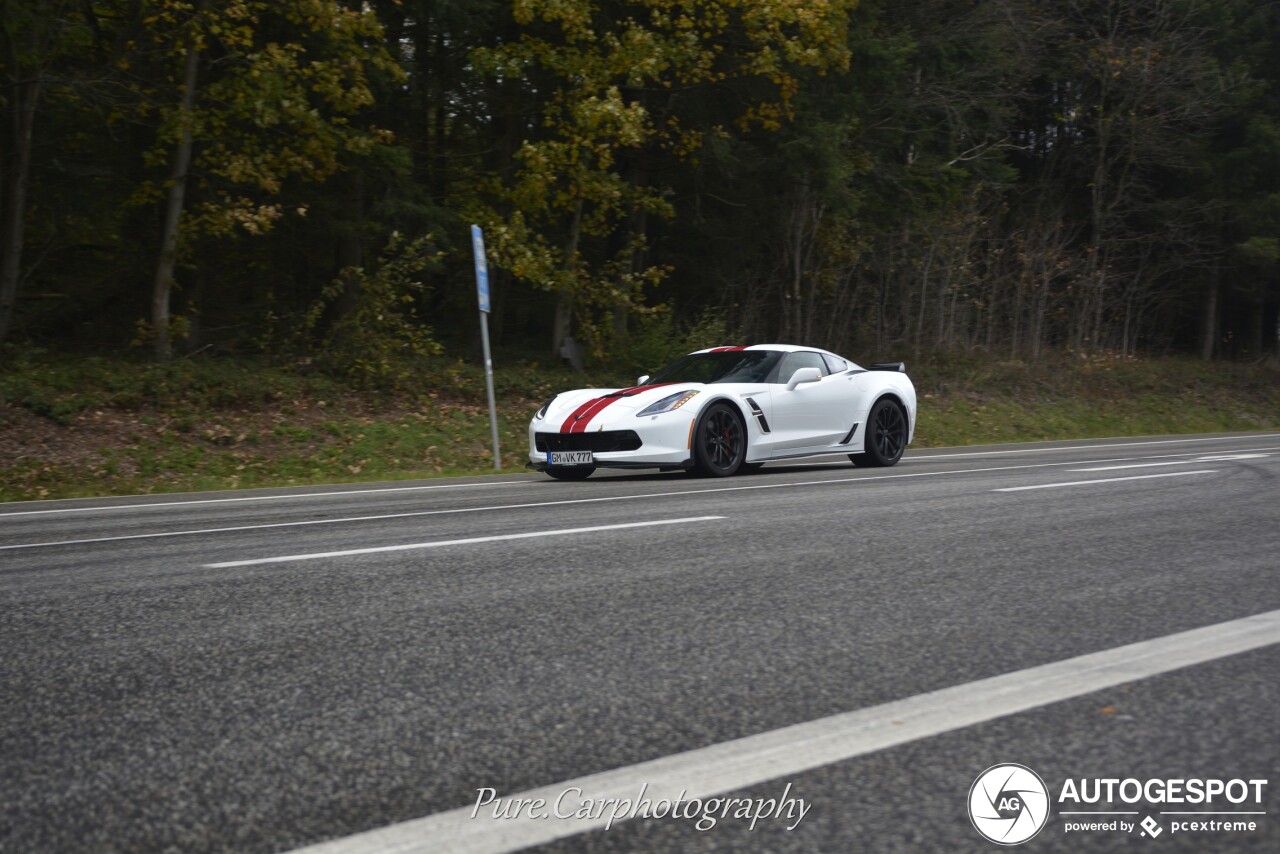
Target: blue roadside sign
{"x":482,"y":267}
{"x":482,"y":291}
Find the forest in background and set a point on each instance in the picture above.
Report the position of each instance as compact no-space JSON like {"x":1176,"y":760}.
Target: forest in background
{"x":885,"y":178}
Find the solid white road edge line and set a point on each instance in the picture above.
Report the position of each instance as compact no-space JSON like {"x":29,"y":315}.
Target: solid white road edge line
{"x":1219,"y":458}
{"x":1104,"y":480}
{"x":196,"y":501}
{"x":734,"y":765}
{"x":1138,"y":466}
{"x":1116,"y":444}
{"x":375,"y":491}
{"x":673,"y":494}
{"x":463,"y":542}
{"x":1201,"y":459}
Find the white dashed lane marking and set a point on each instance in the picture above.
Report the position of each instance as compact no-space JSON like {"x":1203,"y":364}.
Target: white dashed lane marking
{"x":468,"y":541}
{"x":1103,"y":480}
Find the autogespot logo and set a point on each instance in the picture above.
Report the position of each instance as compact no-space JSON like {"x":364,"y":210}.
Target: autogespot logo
{"x":1008,"y":804}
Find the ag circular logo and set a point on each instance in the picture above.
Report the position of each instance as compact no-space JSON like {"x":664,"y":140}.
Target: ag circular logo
{"x":1008,"y":804}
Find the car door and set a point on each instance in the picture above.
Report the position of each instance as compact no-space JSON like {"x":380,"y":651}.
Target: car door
{"x":812,"y":416}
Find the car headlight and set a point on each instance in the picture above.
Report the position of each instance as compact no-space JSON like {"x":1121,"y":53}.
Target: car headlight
{"x":542,"y":413}
{"x":670,"y":403}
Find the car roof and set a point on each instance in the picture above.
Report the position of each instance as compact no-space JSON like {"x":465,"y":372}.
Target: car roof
{"x":783,"y":348}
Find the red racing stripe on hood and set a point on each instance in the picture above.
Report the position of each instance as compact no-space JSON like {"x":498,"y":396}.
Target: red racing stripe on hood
{"x":567,"y":427}
{"x":727,"y":349}
{"x":634,"y":390}
{"x":579,"y":419}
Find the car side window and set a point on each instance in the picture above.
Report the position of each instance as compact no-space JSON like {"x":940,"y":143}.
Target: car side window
{"x":793,"y":362}
{"x":835,"y":363}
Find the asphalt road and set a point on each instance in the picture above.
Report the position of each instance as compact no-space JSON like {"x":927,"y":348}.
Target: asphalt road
{"x":263,"y":670}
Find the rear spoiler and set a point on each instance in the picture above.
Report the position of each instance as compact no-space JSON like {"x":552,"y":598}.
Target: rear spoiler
{"x":898,"y":367}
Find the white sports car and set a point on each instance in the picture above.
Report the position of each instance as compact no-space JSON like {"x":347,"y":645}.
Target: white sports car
{"x":725,"y":409}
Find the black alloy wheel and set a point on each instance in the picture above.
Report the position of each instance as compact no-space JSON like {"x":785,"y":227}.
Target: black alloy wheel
{"x":720,"y":442}
{"x":886,"y":436}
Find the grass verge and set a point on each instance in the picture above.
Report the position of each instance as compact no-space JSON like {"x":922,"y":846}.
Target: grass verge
{"x":73,"y":427}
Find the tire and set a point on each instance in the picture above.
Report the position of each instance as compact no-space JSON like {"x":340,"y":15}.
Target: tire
{"x":719,"y":441}
{"x":570,"y":472}
{"x":886,"y":436}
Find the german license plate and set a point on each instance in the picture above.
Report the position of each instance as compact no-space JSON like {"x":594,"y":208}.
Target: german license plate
{"x":569,"y":458}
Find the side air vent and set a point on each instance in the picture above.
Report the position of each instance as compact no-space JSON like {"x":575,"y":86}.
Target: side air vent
{"x":759,"y":414}
{"x":848,"y":437}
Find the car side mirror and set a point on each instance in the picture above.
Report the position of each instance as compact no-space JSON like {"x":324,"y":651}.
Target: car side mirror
{"x":803,"y":375}
{"x":644,"y":379}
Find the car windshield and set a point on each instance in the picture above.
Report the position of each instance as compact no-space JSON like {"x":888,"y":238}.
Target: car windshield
{"x":738,"y":366}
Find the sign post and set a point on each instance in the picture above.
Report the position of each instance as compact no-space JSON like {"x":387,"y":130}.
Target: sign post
{"x":482,"y":291}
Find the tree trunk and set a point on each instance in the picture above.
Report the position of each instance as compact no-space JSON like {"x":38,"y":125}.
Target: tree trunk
{"x":1209,"y":332}
{"x":163,"y":285}
{"x":628,"y":248}
{"x":1257,"y":332}
{"x":924,"y":298}
{"x":15,"y":212}
{"x":796,"y":315}
{"x":193,"y":338}
{"x":351,"y":245}
{"x":564,"y":302}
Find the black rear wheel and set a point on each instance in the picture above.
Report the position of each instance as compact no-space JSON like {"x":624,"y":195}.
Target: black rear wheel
{"x":886,"y":436}
{"x":570,"y":472}
{"x":719,"y":442}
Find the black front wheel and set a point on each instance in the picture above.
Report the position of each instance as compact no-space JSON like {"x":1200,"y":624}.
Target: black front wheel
{"x":570,"y":472}
{"x":886,"y":436}
{"x":719,"y":442}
